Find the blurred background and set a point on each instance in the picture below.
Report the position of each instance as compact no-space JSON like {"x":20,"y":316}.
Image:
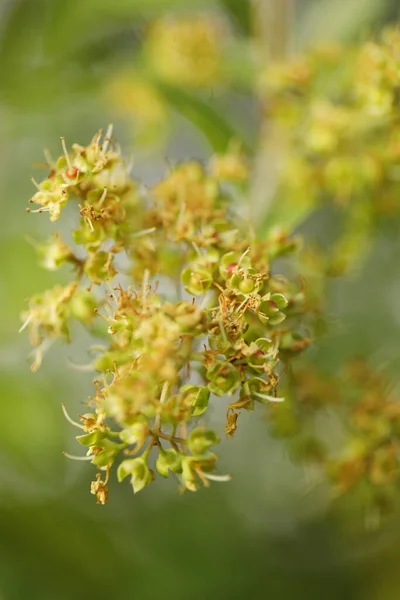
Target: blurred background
{"x":69,"y":68}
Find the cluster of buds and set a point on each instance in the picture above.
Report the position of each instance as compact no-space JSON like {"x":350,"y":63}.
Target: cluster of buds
{"x":186,"y":51}
{"x":180,"y":56}
{"x":340,"y":121}
{"x":361,"y":458}
{"x":370,"y":460}
{"x":185,"y":303}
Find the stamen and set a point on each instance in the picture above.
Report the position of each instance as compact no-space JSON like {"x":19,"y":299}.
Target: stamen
{"x":35,"y":183}
{"x":72,"y":457}
{"x":221,"y":478}
{"x":164,"y":392}
{"x":25,"y":325}
{"x":38,"y":359}
{"x":242,"y":304}
{"x":163,"y":397}
{"x":145,"y":283}
{"x":222,"y":328}
{"x":269,"y":398}
{"x":66,"y":415}
{"x":129,"y":166}
{"x":103,"y":196}
{"x":48,"y":157}
{"x":107,"y":137}
{"x":89,"y":222}
{"x":38,"y":210}
{"x":243,"y":255}
{"x":195,"y":246}
{"x":144,"y":232}
{"x":88,"y":368}
{"x":64,"y":147}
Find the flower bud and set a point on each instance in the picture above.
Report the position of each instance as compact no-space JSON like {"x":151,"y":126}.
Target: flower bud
{"x":197,"y":396}
{"x":98,"y":267}
{"x":168,"y":460}
{"x":224,"y":379}
{"x":197,"y":279}
{"x":201,"y":439}
{"x":137,"y":468}
{"x":136,"y":433}
{"x":93,"y":438}
{"x":108,"y":453}
{"x":54,"y":253}
{"x":229,"y":263}
{"x":83,"y":305}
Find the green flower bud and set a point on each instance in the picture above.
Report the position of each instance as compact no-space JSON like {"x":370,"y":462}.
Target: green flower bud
{"x":231,"y":261}
{"x":54,"y":253}
{"x":264,"y":357}
{"x":246,"y":286}
{"x":114,"y":177}
{"x":93,"y":438}
{"x":136,"y":433}
{"x":197,"y":279}
{"x":201,"y":439}
{"x":258,"y":388}
{"x":108,"y":453}
{"x":168,"y":460}
{"x":83,"y":305}
{"x":90,"y":237}
{"x":187,"y":315}
{"x":137,"y":468}
{"x":189,"y":473}
{"x":197,"y":396}
{"x":269,"y":310}
{"x":224,"y":379}
{"x":280,"y":301}
{"x":98,"y":267}
{"x":194,"y":466}
{"x":264,"y":344}
{"x":52,"y":196}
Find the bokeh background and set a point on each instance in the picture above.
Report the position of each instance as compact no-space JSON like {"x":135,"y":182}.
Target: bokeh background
{"x":69,"y":68}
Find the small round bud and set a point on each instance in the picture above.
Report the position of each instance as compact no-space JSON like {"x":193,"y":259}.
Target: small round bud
{"x":246,"y":286}
{"x":72,"y":173}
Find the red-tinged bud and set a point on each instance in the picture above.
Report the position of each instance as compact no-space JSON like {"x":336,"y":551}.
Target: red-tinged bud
{"x":231,"y":267}
{"x":72,"y":173}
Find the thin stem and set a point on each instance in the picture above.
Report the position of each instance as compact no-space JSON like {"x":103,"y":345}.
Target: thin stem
{"x":169,"y":438}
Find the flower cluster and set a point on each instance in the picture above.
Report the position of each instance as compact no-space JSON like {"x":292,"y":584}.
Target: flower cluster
{"x":337,"y":111}
{"x":186,"y":51}
{"x":361,"y":456}
{"x":180,"y":57}
{"x":183,"y":299}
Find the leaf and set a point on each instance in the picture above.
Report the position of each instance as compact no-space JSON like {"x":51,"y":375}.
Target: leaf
{"x":210,"y":121}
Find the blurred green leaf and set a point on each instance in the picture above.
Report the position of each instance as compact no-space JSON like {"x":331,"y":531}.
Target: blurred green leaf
{"x":210,"y":121}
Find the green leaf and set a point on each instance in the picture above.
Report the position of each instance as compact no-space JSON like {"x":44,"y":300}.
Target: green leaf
{"x":211,"y":122}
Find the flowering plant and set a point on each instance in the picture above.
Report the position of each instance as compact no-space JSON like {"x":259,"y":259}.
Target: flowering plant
{"x":181,"y":295}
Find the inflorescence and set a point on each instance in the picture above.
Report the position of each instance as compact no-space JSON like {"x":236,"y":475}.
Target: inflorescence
{"x":181,"y":303}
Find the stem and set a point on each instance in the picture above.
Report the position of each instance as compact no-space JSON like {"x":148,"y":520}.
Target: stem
{"x":273,"y":26}
{"x":163,"y":397}
{"x":272,"y":31}
{"x":170,"y":438}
